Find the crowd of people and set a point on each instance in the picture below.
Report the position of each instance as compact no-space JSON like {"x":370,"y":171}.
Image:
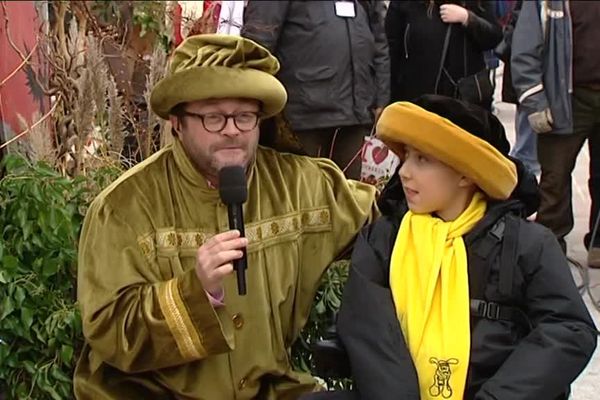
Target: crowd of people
{"x":452,"y":293}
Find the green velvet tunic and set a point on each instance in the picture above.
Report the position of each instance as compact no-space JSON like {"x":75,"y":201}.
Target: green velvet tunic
{"x":150,"y":330}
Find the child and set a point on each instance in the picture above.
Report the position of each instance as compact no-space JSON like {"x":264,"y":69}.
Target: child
{"x":452,"y":293}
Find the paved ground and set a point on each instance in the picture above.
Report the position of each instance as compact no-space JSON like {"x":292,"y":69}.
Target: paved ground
{"x":587,"y":386}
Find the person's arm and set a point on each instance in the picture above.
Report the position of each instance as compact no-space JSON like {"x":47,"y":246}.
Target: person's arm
{"x":368,"y":327}
{"x":382,"y":55}
{"x":563,"y":338}
{"x":527,"y":59}
{"x":527,"y":67}
{"x":503,"y":50}
{"x":482,"y":26}
{"x":395,"y":29}
{"x":263,"y":22}
{"x":133,"y":318}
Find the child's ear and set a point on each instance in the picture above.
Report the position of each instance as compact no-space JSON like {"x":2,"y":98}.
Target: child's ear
{"x":465,"y":182}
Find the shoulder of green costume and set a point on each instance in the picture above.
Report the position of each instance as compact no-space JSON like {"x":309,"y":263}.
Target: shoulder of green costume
{"x":294,"y":163}
{"x":139,"y":180}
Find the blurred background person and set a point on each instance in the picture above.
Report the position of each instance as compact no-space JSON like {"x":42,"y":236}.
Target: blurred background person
{"x":556,"y":72}
{"x":335,"y":66}
{"x":422,"y":35}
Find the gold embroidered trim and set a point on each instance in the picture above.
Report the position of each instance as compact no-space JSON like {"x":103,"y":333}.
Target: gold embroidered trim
{"x":316,"y":218}
{"x":174,"y":239}
{"x":179,"y":322}
{"x":307,"y":220}
{"x":269,"y":229}
{"x":147,"y":246}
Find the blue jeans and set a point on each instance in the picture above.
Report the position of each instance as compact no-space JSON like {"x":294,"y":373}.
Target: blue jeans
{"x":525,"y":148}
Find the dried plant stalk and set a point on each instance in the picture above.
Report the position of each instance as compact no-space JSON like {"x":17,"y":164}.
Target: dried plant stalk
{"x":157,"y":70}
{"x":96,"y":62}
{"x":39,"y":146}
{"x":116,"y":129}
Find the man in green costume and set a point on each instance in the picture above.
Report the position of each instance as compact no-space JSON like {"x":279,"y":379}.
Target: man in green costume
{"x":161,"y":314}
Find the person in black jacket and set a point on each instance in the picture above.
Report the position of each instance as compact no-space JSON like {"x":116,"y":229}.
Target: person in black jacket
{"x":500,"y":315}
{"x":416,"y":31}
{"x":335,"y":67}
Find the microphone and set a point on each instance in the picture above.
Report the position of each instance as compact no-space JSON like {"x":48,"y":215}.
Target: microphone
{"x":234,"y":192}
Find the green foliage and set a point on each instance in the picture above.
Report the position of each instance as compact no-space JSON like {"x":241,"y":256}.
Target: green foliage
{"x":148,"y":15}
{"x":41,"y":213}
{"x":326,"y":305}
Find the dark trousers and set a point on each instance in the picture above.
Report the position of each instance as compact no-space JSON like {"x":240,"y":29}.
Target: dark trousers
{"x":557,"y":155}
{"x":343,"y":147}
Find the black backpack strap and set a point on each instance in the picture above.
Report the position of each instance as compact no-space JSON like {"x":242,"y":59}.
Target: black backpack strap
{"x":508,"y":257}
{"x":499,"y":312}
{"x":443,"y":58}
{"x":501,"y":240}
{"x":493,"y":311}
{"x":487,"y":249}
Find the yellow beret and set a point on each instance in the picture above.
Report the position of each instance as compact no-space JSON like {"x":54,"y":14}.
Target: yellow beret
{"x":219,"y":66}
{"x":404,"y":123}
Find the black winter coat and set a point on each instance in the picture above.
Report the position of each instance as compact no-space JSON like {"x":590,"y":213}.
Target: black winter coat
{"x":416,"y":42}
{"x":335,"y":70}
{"x":509,"y":360}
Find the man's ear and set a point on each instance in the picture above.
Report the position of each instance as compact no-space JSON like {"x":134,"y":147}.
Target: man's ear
{"x":175,"y":123}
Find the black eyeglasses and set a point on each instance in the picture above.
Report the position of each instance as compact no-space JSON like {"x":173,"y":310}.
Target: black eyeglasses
{"x":215,"y":123}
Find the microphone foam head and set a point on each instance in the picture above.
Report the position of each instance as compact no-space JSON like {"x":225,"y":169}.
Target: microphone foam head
{"x":232,"y":185}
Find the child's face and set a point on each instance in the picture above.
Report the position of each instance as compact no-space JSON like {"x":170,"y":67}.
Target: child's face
{"x":431,"y":186}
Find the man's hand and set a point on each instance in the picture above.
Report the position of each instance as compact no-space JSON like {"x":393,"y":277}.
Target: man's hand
{"x":454,"y":14}
{"x":214,"y":260}
{"x":541,"y":121}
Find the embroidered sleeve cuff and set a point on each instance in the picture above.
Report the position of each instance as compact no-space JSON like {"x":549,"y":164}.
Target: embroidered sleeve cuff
{"x":193,"y":322}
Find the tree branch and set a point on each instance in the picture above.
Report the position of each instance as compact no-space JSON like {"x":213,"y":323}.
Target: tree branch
{"x":8,"y":36}
{"x":23,"y":63}
{"x":42,"y":119}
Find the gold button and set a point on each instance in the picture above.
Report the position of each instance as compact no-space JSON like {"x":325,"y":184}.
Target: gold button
{"x":238,"y":321}
{"x":242,"y":384}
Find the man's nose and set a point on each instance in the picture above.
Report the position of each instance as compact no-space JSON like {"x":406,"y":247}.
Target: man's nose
{"x":230,"y":129}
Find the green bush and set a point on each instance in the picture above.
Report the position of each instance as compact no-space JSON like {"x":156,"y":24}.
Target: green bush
{"x":327,"y":302}
{"x":41,"y":213}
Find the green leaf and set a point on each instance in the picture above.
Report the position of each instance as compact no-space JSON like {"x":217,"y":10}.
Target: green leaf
{"x":50,"y":268}
{"x":66,"y":353}
{"x":27,"y":317}
{"x":10,"y":263}
{"x":19,"y":296}
{"x":6,"y":307}
{"x":27,"y":228}
{"x":22,"y":216}
{"x":29,"y":366}
{"x":37,"y":195}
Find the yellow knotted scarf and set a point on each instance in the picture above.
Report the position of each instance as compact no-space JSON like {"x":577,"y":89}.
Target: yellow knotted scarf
{"x":430,"y":286}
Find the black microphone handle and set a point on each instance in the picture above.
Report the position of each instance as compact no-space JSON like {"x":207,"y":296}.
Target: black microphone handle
{"x":236,"y":221}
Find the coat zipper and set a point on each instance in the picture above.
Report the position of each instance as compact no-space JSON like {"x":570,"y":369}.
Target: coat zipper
{"x":352,"y":68}
{"x":406,"y":32}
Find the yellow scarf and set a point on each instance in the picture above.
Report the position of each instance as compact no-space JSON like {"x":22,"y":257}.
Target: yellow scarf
{"x":430,"y":286}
